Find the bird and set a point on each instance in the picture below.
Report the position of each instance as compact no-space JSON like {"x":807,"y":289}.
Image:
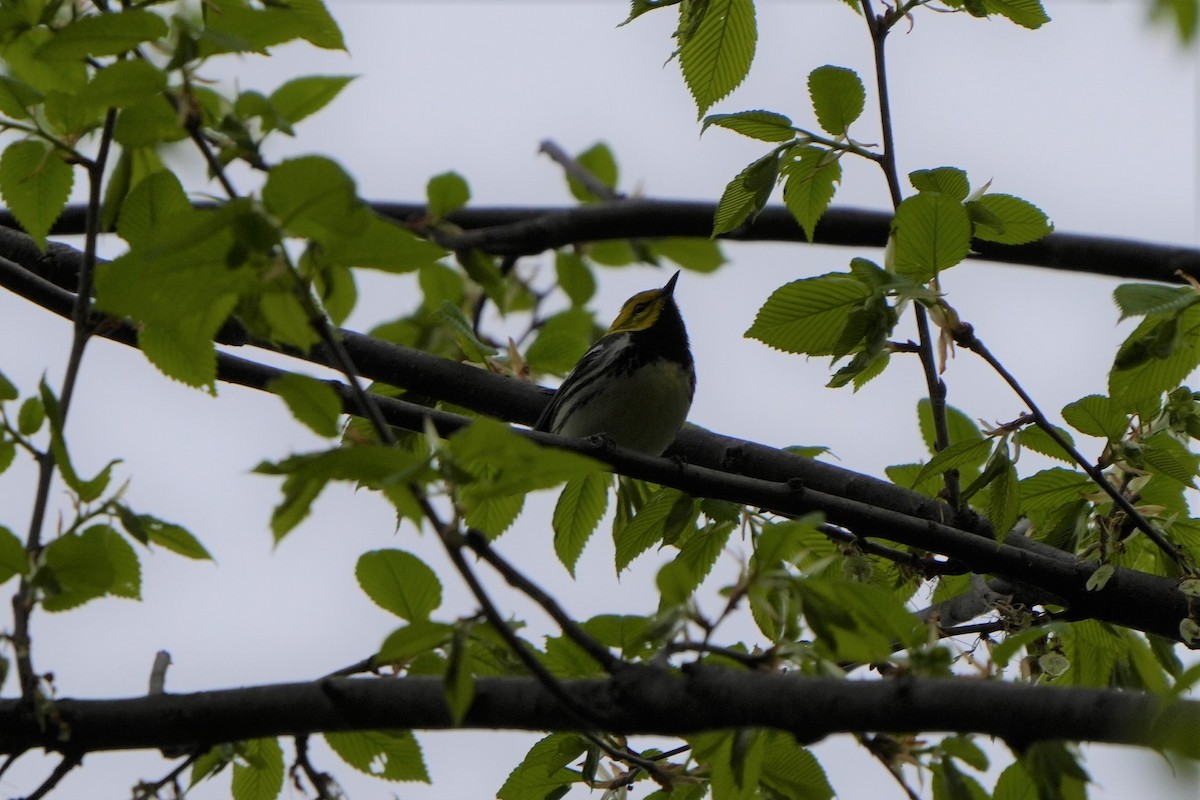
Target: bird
{"x":634,"y":386}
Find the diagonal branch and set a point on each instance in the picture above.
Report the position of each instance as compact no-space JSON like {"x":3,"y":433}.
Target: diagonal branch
{"x":721,"y":467}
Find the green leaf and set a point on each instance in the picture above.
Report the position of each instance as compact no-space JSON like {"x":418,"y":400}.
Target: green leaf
{"x":968,"y":452}
{"x":657,"y":520}
{"x":1166,"y":455}
{"x":445,"y":194}
{"x":1039,"y":441}
{"x":561,"y":341}
{"x":1142,"y":299}
{"x":103,"y":35}
{"x":810,"y":176}
{"x":314,"y":197}
{"x":624,"y":632}
{"x":495,"y":515}
{"x":947,"y":180}
{"x":544,"y":771}
{"x":239,"y":28}
{"x":24,"y":62}
{"x":35,"y":184}
{"x":84,"y":566}
{"x":766,"y":126}
{"x":716,"y":57}
{"x":735,"y":760}
{"x":153,"y":200}
{"x":1054,"y":488}
{"x":1096,"y":415}
{"x":1157,"y":357}
{"x":148,"y":529}
{"x":392,"y":755}
{"x":17,"y":98}
{"x":932,"y":233}
{"x":964,"y":749}
{"x":1054,"y":768}
{"x":580,"y":506}
{"x":8,"y":453}
{"x":575,"y":278}
{"x":458,"y":681}
{"x":13,"y":558}
{"x":30,"y":416}
{"x":8,"y":391}
{"x":599,"y":161}
{"x":1006,"y":219}
{"x":302,"y":97}
{"x":837,"y":96}
{"x":124,"y":83}
{"x":410,"y":641}
{"x":697,"y":255}
{"x":178,"y":282}
{"x":460,"y":328}
{"x":810,"y":315}
{"x":387,"y":469}
{"x":746,"y":195}
{"x":258,"y":773}
{"x":88,"y":490}
{"x":1014,"y":783}
{"x":678,"y":579}
{"x":311,"y":401}
{"x":1004,"y":501}
{"x":381,"y":244}
{"x":792,"y":771}
{"x":960,"y":426}
{"x":1026,"y":13}
{"x":499,"y":462}
{"x":399,"y":582}
{"x":857,"y":622}
{"x":149,"y":123}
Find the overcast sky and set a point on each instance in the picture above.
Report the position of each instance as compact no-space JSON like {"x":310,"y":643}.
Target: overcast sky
{"x":1093,"y":118}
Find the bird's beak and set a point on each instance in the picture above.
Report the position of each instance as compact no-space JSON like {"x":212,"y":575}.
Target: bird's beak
{"x":669,"y":289}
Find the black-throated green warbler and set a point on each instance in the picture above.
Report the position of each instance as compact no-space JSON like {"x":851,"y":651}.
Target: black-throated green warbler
{"x":635,"y":385}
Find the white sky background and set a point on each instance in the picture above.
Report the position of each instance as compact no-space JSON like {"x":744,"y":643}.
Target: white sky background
{"x":1093,"y":118}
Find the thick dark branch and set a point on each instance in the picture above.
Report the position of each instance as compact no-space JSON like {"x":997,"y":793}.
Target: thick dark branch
{"x":641,"y":701}
{"x":722,"y":467}
{"x":525,"y":231}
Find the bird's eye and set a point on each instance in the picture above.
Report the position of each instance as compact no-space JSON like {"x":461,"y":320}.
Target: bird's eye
{"x":639,"y":308}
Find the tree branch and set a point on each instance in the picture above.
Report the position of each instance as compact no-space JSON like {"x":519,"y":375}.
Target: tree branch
{"x":531,"y":230}
{"x":721,"y":467}
{"x":639,"y":701}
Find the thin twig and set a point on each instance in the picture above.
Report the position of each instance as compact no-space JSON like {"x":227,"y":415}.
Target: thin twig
{"x":492,"y":612}
{"x":146,"y":791}
{"x":599,"y":653}
{"x":935,"y":387}
{"x":578,"y":172}
{"x":22,"y":602}
{"x":68,"y":763}
{"x":879,"y":747}
{"x":324,"y":783}
{"x":964,"y":336}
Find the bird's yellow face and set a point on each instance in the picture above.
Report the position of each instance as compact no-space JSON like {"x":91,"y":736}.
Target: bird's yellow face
{"x":643,"y":309}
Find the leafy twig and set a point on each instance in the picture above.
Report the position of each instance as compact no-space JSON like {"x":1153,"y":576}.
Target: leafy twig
{"x":935,"y":387}
{"x":22,"y":602}
{"x":578,"y":172}
{"x":479,"y":543}
{"x":964,"y":336}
